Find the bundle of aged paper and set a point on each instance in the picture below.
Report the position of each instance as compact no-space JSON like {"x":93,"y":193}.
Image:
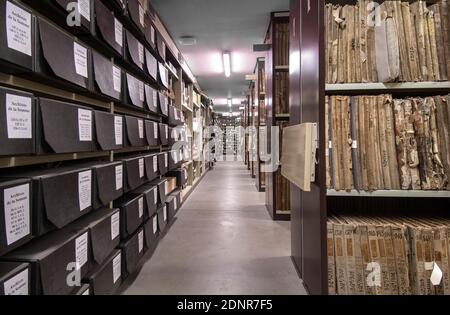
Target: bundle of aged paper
{"x":381,"y":143}
{"x":395,"y":41}
{"x":388,"y":255}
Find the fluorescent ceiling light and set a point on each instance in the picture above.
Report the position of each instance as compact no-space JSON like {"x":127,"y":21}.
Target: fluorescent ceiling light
{"x":230,"y":102}
{"x":227,"y":64}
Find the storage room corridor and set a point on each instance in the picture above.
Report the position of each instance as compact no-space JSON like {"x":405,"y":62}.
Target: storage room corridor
{"x":222,"y":242}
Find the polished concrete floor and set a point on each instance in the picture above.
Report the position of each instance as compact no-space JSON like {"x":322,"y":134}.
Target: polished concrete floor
{"x":223,"y":242}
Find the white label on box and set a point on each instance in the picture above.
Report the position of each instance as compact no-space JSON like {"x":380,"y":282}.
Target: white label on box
{"x":141,"y":128}
{"x":115,"y":224}
{"x":18,"y":28}
{"x":86,"y":292}
{"x":354,"y":144}
{"x":141,"y":241}
{"x":152,"y":34}
{"x":17,"y":285}
{"x":81,"y":250}
{"x":155,"y":130}
{"x":85,"y":189}
{"x":167,"y":131}
{"x":174,"y":134}
{"x":141,"y":15}
{"x":165,"y":213}
{"x":176,"y":114}
{"x":155,"y":99}
{"x":17,"y":212}
{"x":166,"y":106}
{"x":85,"y":124}
{"x":155,"y":225}
{"x":175,"y":203}
{"x":155,"y":196}
{"x":166,"y":160}
{"x":84,"y":7}
{"x":18,"y":117}
{"x":141,"y":53}
{"x":80,"y":57}
{"x":117,"y":268}
{"x":155,"y":164}
{"x":141,"y":91}
{"x":141,"y":168}
{"x":175,"y":156}
{"x":119,"y":177}
{"x":141,"y":207}
{"x":117,"y":77}
{"x":118,"y":128}
{"x":166,"y":187}
{"x":118,"y":32}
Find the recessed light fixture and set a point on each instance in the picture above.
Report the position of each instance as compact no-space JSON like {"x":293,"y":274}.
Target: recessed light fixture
{"x":227,"y":63}
{"x":187,"y":40}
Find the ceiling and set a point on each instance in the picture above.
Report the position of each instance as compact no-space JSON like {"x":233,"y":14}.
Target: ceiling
{"x":219,"y":25}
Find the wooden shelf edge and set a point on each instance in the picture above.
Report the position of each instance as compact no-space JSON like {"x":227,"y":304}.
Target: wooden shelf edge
{"x":404,"y":86}
{"x":17,"y":161}
{"x":390,"y":194}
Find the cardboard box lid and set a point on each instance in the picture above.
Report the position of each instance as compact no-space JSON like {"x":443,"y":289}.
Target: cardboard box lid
{"x":131,"y":251}
{"x":163,"y":75}
{"x":150,"y":170}
{"x":149,"y":192}
{"x":150,"y":128}
{"x":161,"y":46}
{"x":9,"y":270}
{"x":59,"y":189}
{"x":109,"y":136}
{"x":106,"y":182}
{"x":133,"y":131}
{"x":163,"y":218}
{"x":151,"y":231}
{"x":58,"y":52}
{"x":106,"y":25}
{"x":20,"y":58}
{"x":132,"y":46}
{"x":102,"y":228}
{"x":54,"y":253}
{"x":150,"y":32}
{"x":104,"y":76}
{"x":163,"y":104}
{"x":151,"y":97}
{"x":102,"y":277}
{"x":61,"y":126}
{"x":129,"y":212}
{"x":152,"y":65}
{"x":13,"y":146}
{"x":135,"y":11}
{"x":163,"y":168}
{"x":133,"y":87}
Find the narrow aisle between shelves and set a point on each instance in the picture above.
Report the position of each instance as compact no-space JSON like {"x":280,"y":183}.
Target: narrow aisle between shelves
{"x":223,"y":242}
